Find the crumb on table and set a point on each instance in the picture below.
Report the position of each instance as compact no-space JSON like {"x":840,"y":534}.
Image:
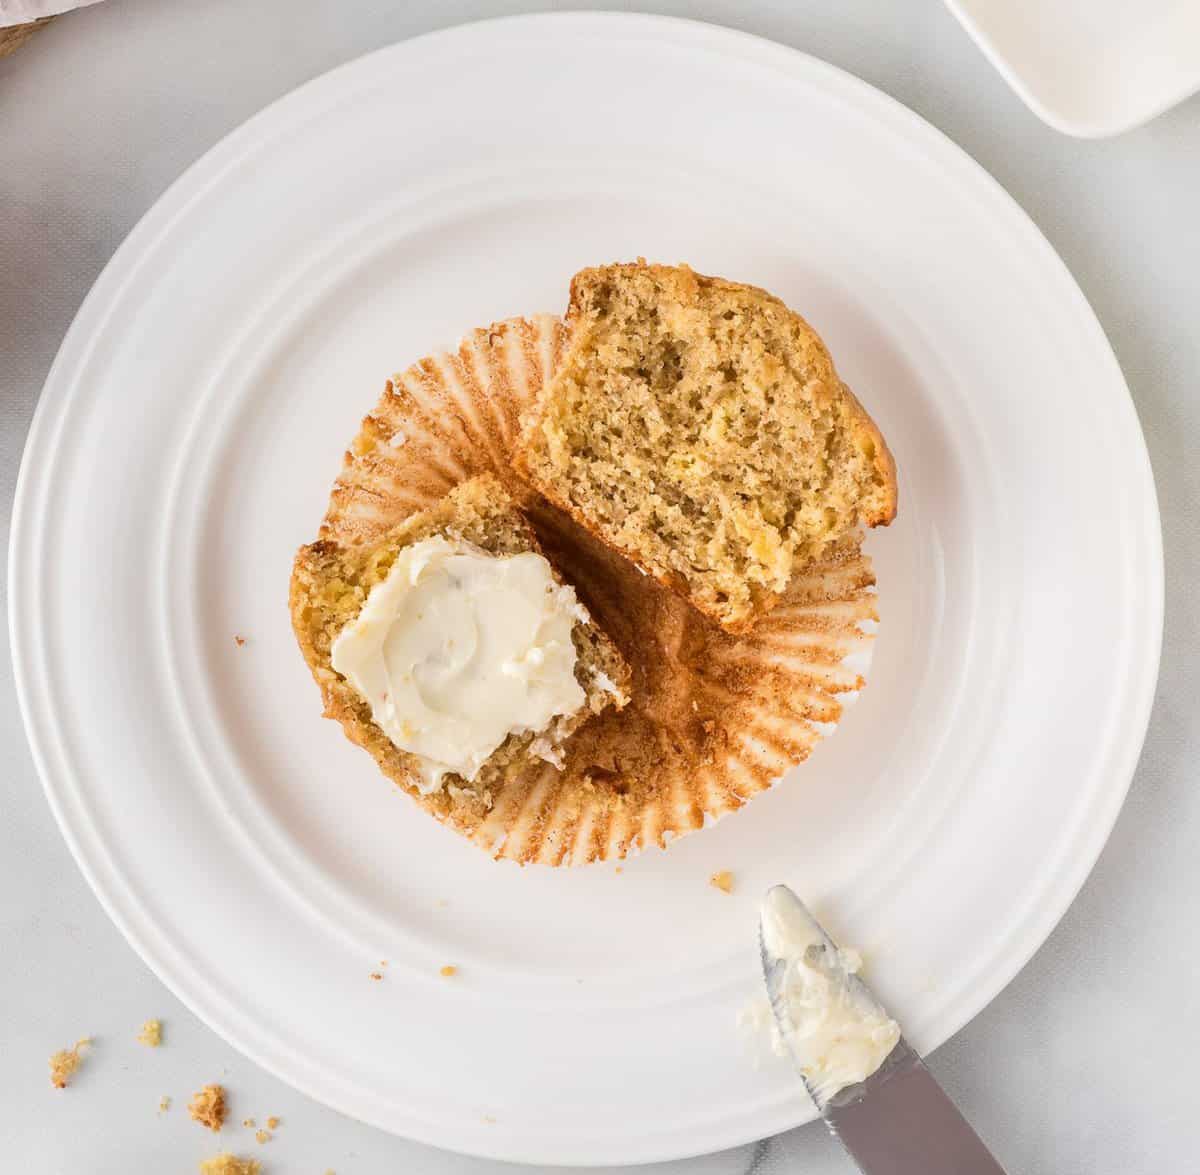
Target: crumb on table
{"x":722,"y":880}
{"x":227,"y":1164}
{"x":261,"y":1136}
{"x":208,"y":1107}
{"x":272,"y":1123}
{"x":164,"y":1104}
{"x":448,"y":970}
{"x":248,"y":1123}
{"x":239,"y":640}
{"x":151,"y":1033}
{"x":376,"y":975}
{"x":64,"y":1062}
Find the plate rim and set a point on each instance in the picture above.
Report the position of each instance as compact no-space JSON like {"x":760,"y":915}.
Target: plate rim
{"x":124,"y":908}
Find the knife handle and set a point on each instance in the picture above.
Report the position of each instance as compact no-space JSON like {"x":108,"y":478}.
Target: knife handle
{"x":907,"y":1125}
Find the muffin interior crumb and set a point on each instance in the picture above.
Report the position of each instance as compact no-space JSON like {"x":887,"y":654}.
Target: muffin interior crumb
{"x":700,"y":427}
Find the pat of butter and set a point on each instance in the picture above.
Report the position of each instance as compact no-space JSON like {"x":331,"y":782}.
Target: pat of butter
{"x":457,"y":649}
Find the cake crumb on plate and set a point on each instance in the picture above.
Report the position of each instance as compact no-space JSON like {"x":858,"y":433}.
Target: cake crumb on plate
{"x":227,"y":1164}
{"x":65,"y":1062}
{"x":722,"y":880}
{"x":208,"y":1107}
{"x":448,"y":970}
{"x":151,"y":1033}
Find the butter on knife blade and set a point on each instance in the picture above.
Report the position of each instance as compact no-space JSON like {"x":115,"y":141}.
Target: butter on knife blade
{"x":872,"y":1089}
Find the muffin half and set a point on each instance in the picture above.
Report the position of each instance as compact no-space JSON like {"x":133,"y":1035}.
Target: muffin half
{"x":450,"y":648}
{"x":698,"y":427}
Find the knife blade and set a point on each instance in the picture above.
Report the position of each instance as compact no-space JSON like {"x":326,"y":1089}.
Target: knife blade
{"x":896,"y":1119}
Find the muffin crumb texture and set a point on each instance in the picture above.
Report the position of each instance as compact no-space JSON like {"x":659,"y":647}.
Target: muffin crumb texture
{"x":722,"y":880}
{"x":227,"y":1164}
{"x":699,"y":427}
{"x":65,"y":1063}
{"x":151,"y":1034}
{"x":208,"y":1107}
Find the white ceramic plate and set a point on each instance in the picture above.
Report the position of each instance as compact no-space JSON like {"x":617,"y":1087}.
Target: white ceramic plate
{"x":1090,"y":68}
{"x":184,"y":446}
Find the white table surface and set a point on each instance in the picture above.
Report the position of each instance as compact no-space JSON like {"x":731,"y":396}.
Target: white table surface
{"x":1081,"y":1065}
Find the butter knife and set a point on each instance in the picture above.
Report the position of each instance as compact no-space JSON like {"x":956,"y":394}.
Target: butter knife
{"x":897,"y":1120}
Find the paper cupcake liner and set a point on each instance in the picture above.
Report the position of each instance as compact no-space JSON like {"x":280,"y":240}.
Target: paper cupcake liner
{"x":714,"y":719}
